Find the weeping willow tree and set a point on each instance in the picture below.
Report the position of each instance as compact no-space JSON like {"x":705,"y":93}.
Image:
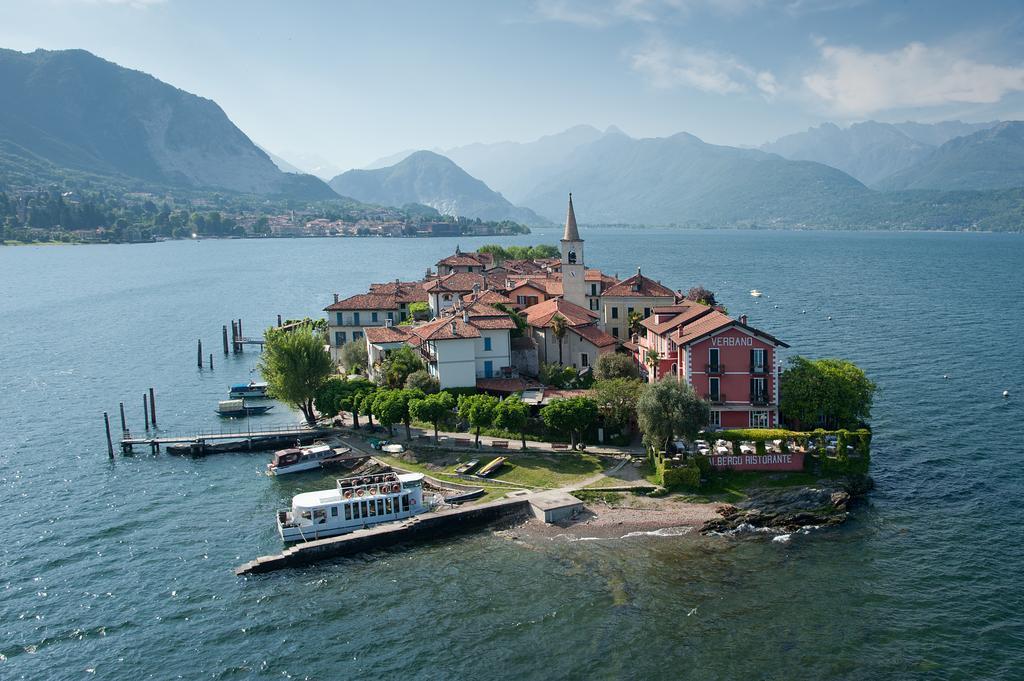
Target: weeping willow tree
{"x":295,"y":364}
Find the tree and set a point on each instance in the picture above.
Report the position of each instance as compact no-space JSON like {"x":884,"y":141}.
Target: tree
{"x":419,"y":310}
{"x":353,"y":356}
{"x":834,"y":393}
{"x":615,"y":365}
{"x":398,"y":365}
{"x":699,"y":294}
{"x":559,"y":327}
{"x":390,"y":408}
{"x":328,"y":395}
{"x":422,"y":380}
{"x":512,"y":414}
{"x":634,"y":322}
{"x":295,"y":364}
{"x":652,"y":358}
{"x":572,"y":416}
{"x":617,"y":398}
{"x":557,"y":376}
{"x":669,"y":408}
{"x":478,"y":411}
{"x":434,"y":409}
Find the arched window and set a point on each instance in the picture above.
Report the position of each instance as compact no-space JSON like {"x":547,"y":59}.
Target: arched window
{"x":675,"y":369}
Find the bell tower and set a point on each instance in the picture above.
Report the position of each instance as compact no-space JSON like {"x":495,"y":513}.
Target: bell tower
{"x":574,"y":287}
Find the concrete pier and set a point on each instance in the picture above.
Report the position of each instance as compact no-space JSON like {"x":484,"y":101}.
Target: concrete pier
{"x":425,"y":526}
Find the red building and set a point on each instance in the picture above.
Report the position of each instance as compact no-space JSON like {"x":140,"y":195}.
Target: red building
{"x":727,"y":361}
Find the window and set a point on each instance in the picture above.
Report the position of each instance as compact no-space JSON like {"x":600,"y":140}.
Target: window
{"x":629,"y":312}
{"x":403,"y":316}
{"x":488,"y":369}
{"x":446,"y":297}
{"x":339,"y":338}
{"x":366,"y":513}
{"x":647,"y":312}
{"x":341,"y":319}
{"x":713,"y":389}
{"x":391,"y":317}
{"x":348,"y":511}
{"x":380,"y":507}
{"x":716,"y":419}
{"x":320,"y":516}
{"x":675,"y":369}
{"x":334,"y":511}
{"x":615,"y":312}
{"x":759,"y":391}
{"x":405,"y":502}
{"x":760,"y":419}
{"x":713,"y":354}
{"x":487,"y":344}
{"x":373,"y":316}
{"x":757,"y":360}
{"x":593,"y":289}
{"x":584,"y":360}
{"x":615,"y":331}
{"x":388,"y":507}
{"x":355,"y":511}
{"x":356,"y":335}
{"x":355,"y":319}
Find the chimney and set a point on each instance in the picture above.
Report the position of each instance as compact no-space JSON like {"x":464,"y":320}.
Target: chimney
{"x":335,"y":297}
{"x":389,"y":322}
{"x":465,"y":315}
{"x":743,"y":319}
{"x":476,"y":288}
{"x":454,"y":328}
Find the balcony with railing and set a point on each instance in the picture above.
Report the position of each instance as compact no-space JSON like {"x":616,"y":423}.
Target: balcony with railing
{"x":760,"y":399}
{"x":760,"y":368}
{"x":714,"y":368}
{"x":715,"y":398}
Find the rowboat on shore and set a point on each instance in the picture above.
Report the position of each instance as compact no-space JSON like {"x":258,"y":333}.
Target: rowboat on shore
{"x":492,"y":466}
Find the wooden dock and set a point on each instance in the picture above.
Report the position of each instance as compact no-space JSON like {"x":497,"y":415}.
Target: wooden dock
{"x":155,"y":441}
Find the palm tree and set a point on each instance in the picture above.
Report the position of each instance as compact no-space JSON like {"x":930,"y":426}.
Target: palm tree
{"x":559,"y":327}
{"x":652,"y":360}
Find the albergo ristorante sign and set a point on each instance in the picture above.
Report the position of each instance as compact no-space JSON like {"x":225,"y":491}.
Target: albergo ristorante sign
{"x":759,"y":462}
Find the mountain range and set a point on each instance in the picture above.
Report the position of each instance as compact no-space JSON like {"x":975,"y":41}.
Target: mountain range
{"x":433,"y":180}
{"x":70,"y":115}
{"x":72,"y":111}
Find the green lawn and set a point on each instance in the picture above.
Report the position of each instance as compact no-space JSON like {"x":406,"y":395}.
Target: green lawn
{"x":548,"y":470}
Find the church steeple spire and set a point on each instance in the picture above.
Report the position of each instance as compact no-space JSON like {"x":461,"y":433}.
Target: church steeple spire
{"x":572,"y":233}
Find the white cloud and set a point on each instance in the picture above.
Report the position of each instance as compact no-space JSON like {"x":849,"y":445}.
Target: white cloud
{"x":667,"y":67}
{"x":854,"y":82}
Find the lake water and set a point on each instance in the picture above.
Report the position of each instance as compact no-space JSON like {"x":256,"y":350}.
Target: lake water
{"x":123,"y":569}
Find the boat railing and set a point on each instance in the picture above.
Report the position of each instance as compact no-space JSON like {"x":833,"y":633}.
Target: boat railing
{"x":354,"y":484}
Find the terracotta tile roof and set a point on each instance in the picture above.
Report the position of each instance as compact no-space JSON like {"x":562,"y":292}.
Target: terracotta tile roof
{"x":639,"y":286}
{"x":462,"y":282}
{"x":446,"y":328}
{"x":595,"y":335}
{"x":386,"y":334}
{"x":709,"y":323}
{"x":365,"y":301}
{"x":463,"y":260}
{"x":683,"y":313}
{"x":598,"y":275}
{"x":490,"y":297}
{"x":404,"y":291}
{"x":541,"y":314}
{"x":547,"y":285}
{"x":506,"y":385}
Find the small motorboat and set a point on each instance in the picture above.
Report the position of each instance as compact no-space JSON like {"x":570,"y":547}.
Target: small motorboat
{"x":492,"y":467}
{"x":252,"y":389}
{"x":468,"y":495}
{"x":392,"y":448}
{"x":755,"y":293}
{"x":295,"y":459}
{"x":235,"y":408}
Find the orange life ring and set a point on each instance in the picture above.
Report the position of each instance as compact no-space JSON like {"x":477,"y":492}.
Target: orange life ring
{"x":348,"y":494}
{"x":395,"y":487}
{"x":359,"y":493}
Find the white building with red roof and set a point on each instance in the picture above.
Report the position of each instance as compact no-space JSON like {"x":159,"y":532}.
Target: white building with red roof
{"x":583,"y":342}
{"x":638,"y":294}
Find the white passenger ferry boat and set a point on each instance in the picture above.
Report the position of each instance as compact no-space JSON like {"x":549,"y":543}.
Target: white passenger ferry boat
{"x":357,"y":502}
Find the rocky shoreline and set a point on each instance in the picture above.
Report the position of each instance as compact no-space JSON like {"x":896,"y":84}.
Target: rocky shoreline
{"x":790,"y":509}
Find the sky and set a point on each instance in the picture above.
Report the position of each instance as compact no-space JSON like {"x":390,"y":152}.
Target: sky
{"x":349,"y":82}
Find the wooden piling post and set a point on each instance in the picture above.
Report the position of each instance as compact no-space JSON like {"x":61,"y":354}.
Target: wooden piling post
{"x":241,"y":345}
{"x":211,"y":361}
{"x":152,"y":408}
{"x":234,"y":336}
{"x":110,"y":444}
{"x":199,"y":352}
{"x":124,"y":425}
{"x":145,"y":412}
{"x":224,"y":337}
{"x":279,"y":320}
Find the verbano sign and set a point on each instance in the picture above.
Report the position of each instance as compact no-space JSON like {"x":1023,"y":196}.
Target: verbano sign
{"x":732,"y":340}
{"x":757,"y":462}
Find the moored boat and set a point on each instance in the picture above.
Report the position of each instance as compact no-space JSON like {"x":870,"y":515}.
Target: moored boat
{"x":252,"y":389}
{"x":356,"y":502}
{"x":233,"y":408}
{"x":467,"y":467}
{"x":492,"y":466}
{"x":296,"y":459}
{"x":755,"y":293}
